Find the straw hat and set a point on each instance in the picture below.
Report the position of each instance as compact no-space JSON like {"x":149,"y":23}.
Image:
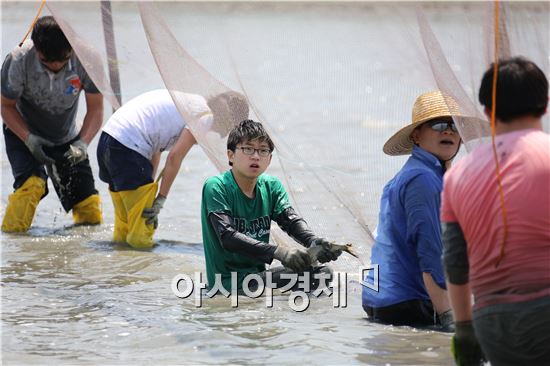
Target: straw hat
{"x":428,"y":106}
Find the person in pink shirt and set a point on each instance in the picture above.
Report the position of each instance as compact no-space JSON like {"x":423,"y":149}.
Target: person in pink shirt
{"x":509,"y":279}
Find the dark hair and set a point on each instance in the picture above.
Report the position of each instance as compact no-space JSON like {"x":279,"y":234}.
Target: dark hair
{"x":49,"y":40}
{"x":229,"y":109}
{"x":248,"y":130}
{"x":522,"y":89}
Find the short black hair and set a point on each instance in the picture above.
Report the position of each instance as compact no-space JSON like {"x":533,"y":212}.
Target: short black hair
{"x":522,"y":89}
{"x":49,"y":40}
{"x":248,"y":130}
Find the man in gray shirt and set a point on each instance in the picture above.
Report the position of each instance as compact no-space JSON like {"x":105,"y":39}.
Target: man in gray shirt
{"x":41,"y":83}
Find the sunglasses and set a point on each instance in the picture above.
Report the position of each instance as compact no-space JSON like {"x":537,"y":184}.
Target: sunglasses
{"x":442,"y":125}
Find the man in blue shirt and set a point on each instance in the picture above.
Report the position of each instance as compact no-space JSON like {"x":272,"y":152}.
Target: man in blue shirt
{"x":408,"y":246}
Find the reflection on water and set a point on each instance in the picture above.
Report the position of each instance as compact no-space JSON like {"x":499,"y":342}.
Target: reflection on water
{"x":71,"y":296}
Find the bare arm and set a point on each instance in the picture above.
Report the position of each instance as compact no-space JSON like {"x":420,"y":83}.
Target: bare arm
{"x":12,"y":118}
{"x":437,"y":294}
{"x":93,"y":118}
{"x":460,"y":298}
{"x":174,"y":159}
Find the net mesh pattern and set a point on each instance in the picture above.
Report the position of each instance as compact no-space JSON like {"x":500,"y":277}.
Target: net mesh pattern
{"x":331,"y":82}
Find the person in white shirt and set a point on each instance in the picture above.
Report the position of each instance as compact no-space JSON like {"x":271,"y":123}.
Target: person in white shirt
{"x":132,"y":141}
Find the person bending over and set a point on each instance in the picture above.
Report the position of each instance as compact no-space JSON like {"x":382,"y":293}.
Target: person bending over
{"x":133,"y":140}
{"x":41,"y":83}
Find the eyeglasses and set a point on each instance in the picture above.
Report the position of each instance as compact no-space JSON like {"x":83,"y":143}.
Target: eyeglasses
{"x":442,"y":125}
{"x":247,"y":150}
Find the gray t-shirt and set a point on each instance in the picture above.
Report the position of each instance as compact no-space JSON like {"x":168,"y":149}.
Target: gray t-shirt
{"x":47,"y":101}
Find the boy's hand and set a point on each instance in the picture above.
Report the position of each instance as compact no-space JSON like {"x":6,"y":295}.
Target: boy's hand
{"x":36,"y":144}
{"x":328,"y":252}
{"x":296,"y":258}
{"x":151,"y":214}
{"x":77,"y":152}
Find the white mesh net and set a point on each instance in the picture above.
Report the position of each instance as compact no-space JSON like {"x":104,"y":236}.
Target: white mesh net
{"x":330,"y":81}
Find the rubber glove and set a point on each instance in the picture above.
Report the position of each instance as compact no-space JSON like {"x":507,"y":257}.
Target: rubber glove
{"x":78,"y":152}
{"x":465,"y":347}
{"x":35,"y":145}
{"x":151,"y":214}
{"x":296,"y":258}
{"x":327,"y":254}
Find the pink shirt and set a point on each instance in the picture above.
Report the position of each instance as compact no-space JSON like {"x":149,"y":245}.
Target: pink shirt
{"x":471,"y":198}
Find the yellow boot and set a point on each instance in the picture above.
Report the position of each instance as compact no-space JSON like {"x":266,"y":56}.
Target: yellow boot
{"x":140,"y":235}
{"x":121,"y":218}
{"x":88,"y":211}
{"x":22,"y":205}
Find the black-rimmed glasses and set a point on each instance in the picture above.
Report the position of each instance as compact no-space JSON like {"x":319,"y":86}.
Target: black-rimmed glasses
{"x":247,"y":150}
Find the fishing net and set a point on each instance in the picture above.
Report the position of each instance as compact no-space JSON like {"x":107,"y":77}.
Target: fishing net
{"x":330,"y":81}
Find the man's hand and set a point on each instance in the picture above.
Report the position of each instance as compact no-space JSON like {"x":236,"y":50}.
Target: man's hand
{"x":465,"y":347}
{"x":35,"y":145}
{"x":447,"y":321}
{"x":77,"y":152}
{"x":151,"y":214}
{"x":327,"y":252}
{"x":296,"y":258}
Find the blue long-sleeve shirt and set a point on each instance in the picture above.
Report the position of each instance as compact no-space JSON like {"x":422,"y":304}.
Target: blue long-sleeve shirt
{"x":409,"y":236}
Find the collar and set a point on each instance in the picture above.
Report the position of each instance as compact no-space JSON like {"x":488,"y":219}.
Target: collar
{"x":427,"y":159}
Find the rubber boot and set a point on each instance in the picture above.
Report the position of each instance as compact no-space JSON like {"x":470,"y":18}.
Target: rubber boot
{"x":88,"y":211}
{"x":140,"y":235}
{"x":121,"y":218}
{"x":22,"y":205}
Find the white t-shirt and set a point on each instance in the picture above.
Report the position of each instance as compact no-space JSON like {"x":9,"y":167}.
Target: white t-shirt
{"x":151,"y":123}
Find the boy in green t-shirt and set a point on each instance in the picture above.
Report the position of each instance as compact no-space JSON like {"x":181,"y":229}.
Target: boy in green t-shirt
{"x":238,"y":207}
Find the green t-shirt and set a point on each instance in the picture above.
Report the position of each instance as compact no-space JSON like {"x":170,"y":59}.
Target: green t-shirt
{"x":251,"y":216}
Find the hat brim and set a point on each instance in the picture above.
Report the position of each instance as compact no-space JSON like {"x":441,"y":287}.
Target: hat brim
{"x":402,"y":144}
